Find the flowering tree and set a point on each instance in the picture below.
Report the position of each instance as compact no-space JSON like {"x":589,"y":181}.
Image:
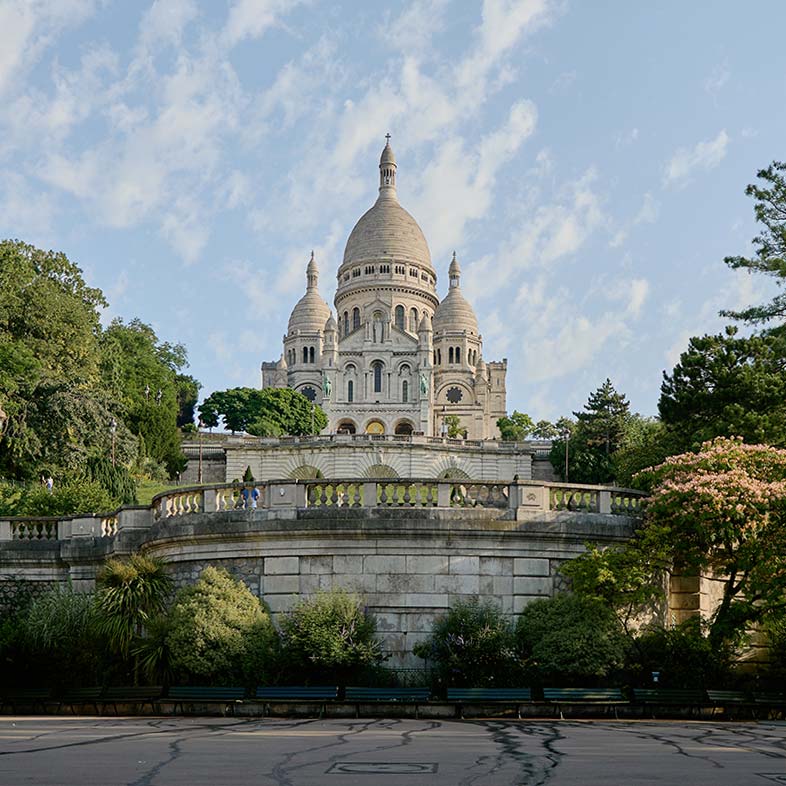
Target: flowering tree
{"x":722,"y":512}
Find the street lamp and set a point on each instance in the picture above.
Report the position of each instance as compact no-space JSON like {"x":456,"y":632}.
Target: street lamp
{"x":200,"y":425}
{"x":113,"y":430}
{"x":567,"y":449}
{"x":444,"y":430}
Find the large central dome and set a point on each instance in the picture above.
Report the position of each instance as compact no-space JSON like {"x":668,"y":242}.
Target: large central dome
{"x":387,"y":231}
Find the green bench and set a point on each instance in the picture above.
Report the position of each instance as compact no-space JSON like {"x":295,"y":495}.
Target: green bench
{"x":691,"y":698}
{"x":728,"y":700}
{"x":25,"y":697}
{"x":181,"y":695}
{"x":132,"y":694}
{"x":771,"y":700}
{"x":510,"y":697}
{"x":358,"y":696}
{"x":306,"y":694}
{"x":588,"y":697}
{"x":79,"y":697}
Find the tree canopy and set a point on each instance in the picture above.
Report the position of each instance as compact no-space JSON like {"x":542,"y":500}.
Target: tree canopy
{"x":726,"y":385}
{"x":517,"y":427}
{"x":265,"y":413}
{"x":769,"y":246}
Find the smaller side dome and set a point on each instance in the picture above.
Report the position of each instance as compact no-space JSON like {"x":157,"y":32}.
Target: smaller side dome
{"x":281,"y":365}
{"x":331,"y":325}
{"x":455,"y":313}
{"x":425,"y":323}
{"x":310,"y":312}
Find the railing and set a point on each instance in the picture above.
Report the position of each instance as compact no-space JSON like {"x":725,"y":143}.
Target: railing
{"x":518,"y":499}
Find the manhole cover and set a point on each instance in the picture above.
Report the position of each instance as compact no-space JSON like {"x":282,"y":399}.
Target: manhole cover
{"x":382,"y":768}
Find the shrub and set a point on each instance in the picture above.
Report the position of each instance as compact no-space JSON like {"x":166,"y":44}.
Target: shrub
{"x":68,"y":498}
{"x":683,"y":656}
{"x":471,"y":645}
{"x":61,"y":638}
{"x":329,"y":636}
{"x":220,"y":632}
{"x":570,"y":639}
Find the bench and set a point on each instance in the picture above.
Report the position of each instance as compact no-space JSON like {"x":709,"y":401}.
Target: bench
{"x":771,"y":700}
{"x":306,"y":694}
{"x":728,"y":700}
{"x":670,"y":697}
{"x":603,"y":697}
{"x":181,"y":695}
{"x":358,"y":696}
{"x":79,"y":697}
{"x":25,"y":697}
{"x":511,"y":697}
{"x":132,"y":694}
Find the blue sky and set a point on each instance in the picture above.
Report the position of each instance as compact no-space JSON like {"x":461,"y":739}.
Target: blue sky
{"x":587,"y":162}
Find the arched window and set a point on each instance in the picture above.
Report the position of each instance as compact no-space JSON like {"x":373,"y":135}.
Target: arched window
{"x":405,"y":391}
{"x":355,"y":318}
{"x":350,"y":391}
{"x":305,"y":354}
{"x":435,"y":357}
{"x":400,"y":317}
{"x":311,"y":354}
{"x":458,"y":354}
{"x":377,"y":367}
{"x":413,"y":320}
{"x":346,"y":323}
{"x":450,"y":355}
{"x":439,"y":357}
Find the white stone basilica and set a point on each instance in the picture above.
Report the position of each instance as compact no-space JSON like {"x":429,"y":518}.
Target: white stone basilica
{"x":396,"y":360}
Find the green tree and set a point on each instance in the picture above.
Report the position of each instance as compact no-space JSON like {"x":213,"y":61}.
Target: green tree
{"x":515,"y":428}
{"x":267,"y":412}
{"x":471,"y":645}
{"x":645,"y":443}
{"x":453,"y":424}
{"x":545,"y":429}
{"x":329,"y":636}
{"x":570,"y":639}
{"x":598,"y":432}
{"x":721,"y":512}
{"x":130,"y":593}
{"x":220,"y":632}
{"x":770,"y":246}
{"x":727,"y":385}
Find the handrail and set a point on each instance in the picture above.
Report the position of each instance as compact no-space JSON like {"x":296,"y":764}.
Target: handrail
{"x":518,"y":498}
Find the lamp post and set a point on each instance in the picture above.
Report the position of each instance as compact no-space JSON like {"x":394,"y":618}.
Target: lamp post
{"x":444,"y":429}
{"x":200,"y":425}
{"x":567,"y":449}
{"x":113,"y":430}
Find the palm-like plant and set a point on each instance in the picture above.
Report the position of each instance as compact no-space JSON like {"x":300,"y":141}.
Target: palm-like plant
{"x":130,"y":593}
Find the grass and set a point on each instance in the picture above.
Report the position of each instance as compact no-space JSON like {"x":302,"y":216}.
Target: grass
{"x":146,"y":489}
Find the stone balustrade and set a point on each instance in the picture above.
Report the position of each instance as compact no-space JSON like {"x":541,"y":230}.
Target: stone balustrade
{"x":518,"y":499}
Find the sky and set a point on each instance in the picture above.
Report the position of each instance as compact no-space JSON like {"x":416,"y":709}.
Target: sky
{"x":586,"y":161}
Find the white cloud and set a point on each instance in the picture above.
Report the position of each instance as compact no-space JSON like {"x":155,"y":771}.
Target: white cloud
{"x":413,"y":30}
{"x":252,"y":18}
{"x":648,"y":212}
{"x":705,"y":155}
{"x":717,"y":79}
{"x":165,"y":21}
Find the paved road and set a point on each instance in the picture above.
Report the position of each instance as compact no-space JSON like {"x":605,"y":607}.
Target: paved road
{"x":230,"y":752}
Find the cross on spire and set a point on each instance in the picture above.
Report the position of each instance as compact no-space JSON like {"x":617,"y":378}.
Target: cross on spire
{"x":387,"y":136}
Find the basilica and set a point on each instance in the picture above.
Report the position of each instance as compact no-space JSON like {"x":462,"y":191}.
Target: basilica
{"x":393,"y":358}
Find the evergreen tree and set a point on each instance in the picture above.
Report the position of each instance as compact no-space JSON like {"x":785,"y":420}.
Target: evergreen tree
{"x":602,"y":425}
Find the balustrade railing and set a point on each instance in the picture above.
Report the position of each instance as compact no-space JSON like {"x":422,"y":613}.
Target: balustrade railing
{"x":521,"y":498}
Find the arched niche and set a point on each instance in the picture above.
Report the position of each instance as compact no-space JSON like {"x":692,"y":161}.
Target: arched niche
{"x":404,"y":428}
{"x":346,"y":426}
{"x":306,"y":472}
{"x":380,"y":471}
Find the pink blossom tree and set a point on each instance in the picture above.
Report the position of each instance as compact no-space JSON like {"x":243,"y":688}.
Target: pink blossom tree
{"x":721,"y":512}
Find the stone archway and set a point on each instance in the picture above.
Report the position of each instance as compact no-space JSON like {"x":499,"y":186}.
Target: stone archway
{"x":306,"y":472}
{"x":346,"y":427}
{"x":376,"y":427}
{"x":453,"y":473}
{"x":404,"y":428}
{"x":380,"y":471}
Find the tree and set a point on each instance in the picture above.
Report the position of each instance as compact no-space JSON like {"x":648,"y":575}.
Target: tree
{"x":220,"y":632}
{"x":515,"y":428}
{"x":726,"y":385}
{"x":597,"y":433}
{"x":453,"y":425}
{"x":645,"y":443}
{"x":330,"y":636}
{"x":130,"y":593}
{"x":471,"y":645}
{"x":570,"y":639}
{"x":769,"y":246}
{"x":267,"y":412}
{"x":721,"y":512}
{"x":545,"y":429}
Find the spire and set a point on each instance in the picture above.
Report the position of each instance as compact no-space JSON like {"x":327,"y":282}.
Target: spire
{"x":387,"y":170}
{"x":312,"y":273}
{"x":454,"y":272}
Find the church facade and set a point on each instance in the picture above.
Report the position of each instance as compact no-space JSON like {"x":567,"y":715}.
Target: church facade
{"x":394,"y":358}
